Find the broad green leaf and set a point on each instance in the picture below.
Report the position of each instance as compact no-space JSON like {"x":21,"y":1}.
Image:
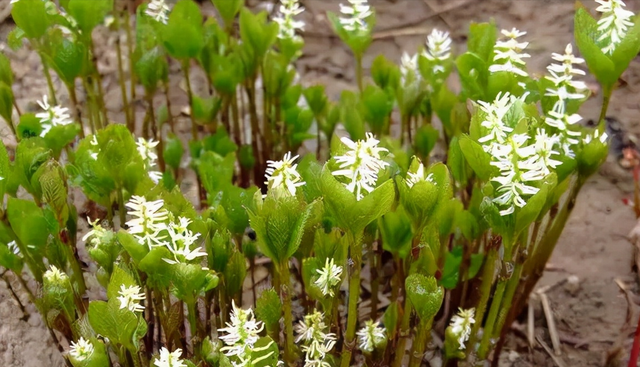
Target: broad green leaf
{"x":476,"y":157}
{"x":234,"y":274}
{"x":183,"y":37}
{"x":628,"y":48}
{"x":586,"y":33}
{"x":6,"y":74}
{"x":120,"y":325}
{"x":28,"y":222}
{"x":425,"y":295}
{"x":173,"y":151}
{"x":395,"y":229}
{"x":68,"y":59}
{"x":136,"y":250}
{"x":228,"y":9}
{"x":31,"y":16}
{"x":269,"y":308}
{"x":89,"y":13}
{"x":119,"y":278}
{"x":6,"y":102}
{"x":482,"y":38}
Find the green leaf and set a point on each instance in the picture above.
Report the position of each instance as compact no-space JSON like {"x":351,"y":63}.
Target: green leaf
{"x":6,"y":102}
{"x":385,"y":73}
{"x":31,"y":16}
{"x":528,"y":213}
{"x":628,"y":48}
{"x":151,"y":68}
{"x":269,"y":308}
{"x":482,"y":38}
{"x":60,"y":136}
{"x":6,"y":74}
{"x":390,"y":319}
{"x":474,"y":74}
{"x":586,"y":33}
{"x":264,"y":353}
{"x":478,"y":159}
{"x":183,"y":37}
{"x":228,"y":9}
{"x":29,"y":126}
{"x":4,"y":169}
{"x":68,"y":59}
{"x":15,"y":38}
{"x":28,"y":222}
{"x":132,"y":246}
{"x":89,"y":13}
{"x":377,"y":107}
{"x":395,"y":229}
{"x":256,"y":32}
{"x":425,"y":140}
{"x":425,"y":295}
{"x":316,"y":99}
{"x":173,"y":151}
{"x":110,"y":321}
{"x":9,"y":260}
{"x":119,"y":277}
{"x":158,"y":270}
{"x":234,"y":274}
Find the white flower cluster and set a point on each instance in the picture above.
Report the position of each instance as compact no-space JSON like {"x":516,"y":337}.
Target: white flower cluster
{"x":55,"y":276}
{"x":614,"y":23}
{"x":588,"y":138}
{"x":418,"y":176}
{"x":282,"y":176}
{"x":438,"y":49}
{"x":409,"y":68}
{"x":13,"y":247}
{"x":329,"y":277}
{"x":356,"y":14}
{"x":371,"y":336}
{"x":461,"y":325}
{"x":508,"y":54}
{"x":311,"y":331}
{"x":565,"y":90}
{"x":361,"y":164}
{"x":130,"y":298}
{"x":286,"y":22}
{"x":81,"y":350}
{"x":52,"y":116}
{"x":149,"y":226}
{"x":147,"y":149}
{"x":169,"y":359}
{"x":158,"y":10}
{"x":519,"y":163}
{"x":241,"y":334}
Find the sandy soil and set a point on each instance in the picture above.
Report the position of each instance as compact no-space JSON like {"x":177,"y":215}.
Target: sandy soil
{"x":591,"y":319}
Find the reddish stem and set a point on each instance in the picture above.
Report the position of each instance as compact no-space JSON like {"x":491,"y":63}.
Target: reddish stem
{"x":635,"y":350}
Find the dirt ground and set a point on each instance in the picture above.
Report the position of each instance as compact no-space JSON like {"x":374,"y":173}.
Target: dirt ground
{"x":591,"y":318}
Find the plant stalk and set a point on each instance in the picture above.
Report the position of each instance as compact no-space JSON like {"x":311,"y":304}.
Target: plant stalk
{"x":285,"y":294}
{"x":354,"y":296}
{"x":420,"y":342}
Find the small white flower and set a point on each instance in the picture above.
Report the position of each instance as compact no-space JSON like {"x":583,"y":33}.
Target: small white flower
{"x":409,"y":68}
{"x":588,"y":138}
{"x":13,"y":246}
{"x":508,"y":54}
{"x":418,"y":176}
{"x":282,"y":176}
{"x":356,"y":13}
{"x":130,"y":298}
{"x":371,"y":336}
{"x":158,"y":10}
{"x":438,"y":46}
{"x":55,"y":275}
{"x":170,"y":359}
{"x":181,"y":241}
{"x":52,"y":116}
{"x":461,"y":325}
{"x":317,"y":343}
{"x":81,"y":350}
{"x":496,"y":111}
{"x":542,"y":160}
{"x":147,"y":150}
{"x":361,"y":164}
{"x":241,"y":333}
{"x":614,"y":23}
{"x":329,"y":277}
{"x":287,"y":24}
{"x":149,"y":220}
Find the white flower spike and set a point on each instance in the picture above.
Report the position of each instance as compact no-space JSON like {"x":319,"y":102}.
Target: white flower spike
{"x":361,"y":164}
{"x":438,"y":49}
{"x":52,"y":116}
{"x":181,"y":239}
{"x":508,"y":54}
{"x":55,"y":275}
{"x":418,"y":176}
{"x":81,"y":350}
{"x":317,"y":343}
{"x":147,"y":150}
{"x":169,"y":359}
{"x":329,"y":277}
{"x":241,"y":333}
{"x":130,"y":298}
{"x":614,"y":24}
{"x":282,"y":176}
{"x":356,"y":14}
{"x":287,"y":24}
{"x":158,"y":10}
{"x":371,"y":336}
{"x":461,"y":325}
{"x":149,"y":220}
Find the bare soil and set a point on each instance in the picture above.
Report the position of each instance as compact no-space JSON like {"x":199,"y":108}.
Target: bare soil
{"x":592,"y":318}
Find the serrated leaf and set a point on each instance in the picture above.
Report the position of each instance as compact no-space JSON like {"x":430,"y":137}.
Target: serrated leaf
{"x":110,"y":321}
{"x":234,"y":274}
{"x":269,"y":308}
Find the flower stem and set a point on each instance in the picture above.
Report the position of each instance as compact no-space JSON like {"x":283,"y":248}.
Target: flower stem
{"x":47,"y":75}
{"x":354,"y":295}
{"x":76,"y":107}
{"x":186,"y":66}
{"x":420,"y":342}
{"x":121,"y":211}
{"x":358,"y":58}
{"x":496,"y":303}
{"x":285,"y":294}
{"x":123,"y":87}
{"x":131,"y":110}
{"x":403,"y":334}
{"x":485,"y":290}
{"x":606,"y":98}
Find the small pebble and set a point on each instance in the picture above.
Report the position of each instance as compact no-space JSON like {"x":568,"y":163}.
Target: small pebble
{"x":572,"y":285}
